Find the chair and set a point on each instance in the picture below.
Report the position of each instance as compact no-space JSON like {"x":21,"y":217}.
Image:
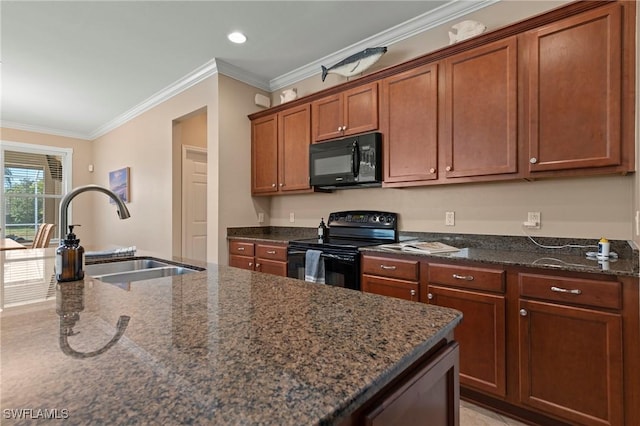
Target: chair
{"x":43,"y":236}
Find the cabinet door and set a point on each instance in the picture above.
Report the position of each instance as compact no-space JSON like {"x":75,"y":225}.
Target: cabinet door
{"x":480,"y":116}
{"x":481,"y":336}
{"x":360,"y":109}
{"x":571,"y":363}
{"x":264,"y":155}
{"x":327,"y":120}
{"x":243,"y":262}
{"x":574,"y":92}
{"x":401,"y":289}
{"x":271,"y":267}
{"x":409,"y":122}
{"x":293,"y":148}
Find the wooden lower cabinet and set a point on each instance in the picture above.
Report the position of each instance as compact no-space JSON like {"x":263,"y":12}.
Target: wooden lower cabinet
{"x":267,"y":258}
{"x":548,"y":347}
{"x":571,"y":348}
{"x":479,"y":294}
{"x":427,"y":394}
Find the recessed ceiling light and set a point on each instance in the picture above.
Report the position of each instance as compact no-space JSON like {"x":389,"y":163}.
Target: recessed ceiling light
{"x":237,"y":37}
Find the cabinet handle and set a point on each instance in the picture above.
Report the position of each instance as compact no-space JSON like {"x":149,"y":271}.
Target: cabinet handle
{"x":533,"y":160}
{"x":523,"y":312}
{"x":240,"y":248}
{"x":564,"y":290}
{"x":271,"y":252}
{"x":430,"y":296}
{"x":448,"y":168}
{"x":463,"y":277}
{"x":390,"y":268}
{"x":432,"y":170}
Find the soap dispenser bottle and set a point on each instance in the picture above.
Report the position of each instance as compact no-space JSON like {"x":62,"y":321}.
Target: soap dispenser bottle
{"x":70,"y":258}
{"x":322,"y":230}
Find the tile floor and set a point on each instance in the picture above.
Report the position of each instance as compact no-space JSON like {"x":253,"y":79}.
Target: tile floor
{"x":472,"y":415}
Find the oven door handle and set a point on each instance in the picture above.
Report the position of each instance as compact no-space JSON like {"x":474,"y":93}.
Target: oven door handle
{"x":327,"y":256}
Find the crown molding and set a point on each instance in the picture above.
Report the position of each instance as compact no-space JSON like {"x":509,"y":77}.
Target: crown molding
{"x":46,"y":130}
{"x":196,"y":76}
{"x":412,"y":27}
{"x":441,"y":15}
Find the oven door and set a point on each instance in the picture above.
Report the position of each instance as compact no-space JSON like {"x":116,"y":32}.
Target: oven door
{"x":340,"y":269}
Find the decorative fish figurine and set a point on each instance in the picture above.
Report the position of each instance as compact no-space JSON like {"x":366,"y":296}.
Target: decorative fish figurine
{"x":356,"y":63}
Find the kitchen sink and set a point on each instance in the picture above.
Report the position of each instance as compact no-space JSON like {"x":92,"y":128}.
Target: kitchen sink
{"x":136,"y":270}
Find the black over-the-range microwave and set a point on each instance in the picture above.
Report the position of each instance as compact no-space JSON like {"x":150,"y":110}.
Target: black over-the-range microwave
{"x":348,"y":162}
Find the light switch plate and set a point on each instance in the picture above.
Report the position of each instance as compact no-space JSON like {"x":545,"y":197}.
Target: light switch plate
{"x":450,"y":218}
{"x":260,"y":217}
{"x":292,"y":217}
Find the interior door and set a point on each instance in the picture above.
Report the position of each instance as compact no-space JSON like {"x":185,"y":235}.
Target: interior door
{"x":194,"y":203}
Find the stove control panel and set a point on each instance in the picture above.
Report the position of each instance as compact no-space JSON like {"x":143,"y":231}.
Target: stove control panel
{"x":364,"y":219}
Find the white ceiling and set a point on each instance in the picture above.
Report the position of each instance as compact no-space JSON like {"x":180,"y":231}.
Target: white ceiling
{"x":79,"y":68}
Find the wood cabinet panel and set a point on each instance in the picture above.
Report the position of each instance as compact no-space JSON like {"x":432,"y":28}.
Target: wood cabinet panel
{"x":468,"y":277}
{"x":571,"y":363}
{"x":481,"y":335}
{"x":409,"y":122}
{"x":480,"y":113}
{"x":392,"y":268}
{"x":243,"y":262}
{"x":347,"y":113}
{"x":431,"y":393}
{"x":294,"y":138}
{"x":401,"y":289}
{"x":596,"y":293}
{"x":574,"y":92}
{"x":264,"y":155}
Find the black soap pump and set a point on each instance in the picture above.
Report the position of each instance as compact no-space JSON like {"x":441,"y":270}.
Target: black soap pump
{"x":322,"y":230}
{"x":70,"y":258}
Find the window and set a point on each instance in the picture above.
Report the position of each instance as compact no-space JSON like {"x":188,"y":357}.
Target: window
{"x":35,"y":180}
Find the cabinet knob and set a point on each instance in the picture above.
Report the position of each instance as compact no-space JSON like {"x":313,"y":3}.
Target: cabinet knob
{"x":250,"y":263}
{"x":432,"y":170}
{"x":430,"y":296}
{"x":258,"y":265}
{"x":413,"y":293}
{"x":273,"y":185}
{"x":523,"y":312}
{"x":533,"y":160}
{"x":281,"y":185}
{"x":448,"y":168}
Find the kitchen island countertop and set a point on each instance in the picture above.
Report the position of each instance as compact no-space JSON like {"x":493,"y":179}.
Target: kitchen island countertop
{"x":221,"y":346}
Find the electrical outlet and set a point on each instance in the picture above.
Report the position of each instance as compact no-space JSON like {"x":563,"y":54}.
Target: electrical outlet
{"x":292,"y":217}
{"x":260,"y":217}
{"x":533,"y":220}
{"x":637,"y":222}
{"x":450,"y":218}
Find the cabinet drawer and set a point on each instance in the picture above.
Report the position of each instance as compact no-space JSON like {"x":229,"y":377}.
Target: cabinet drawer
{"x":271,"y":252}
{"x":602,"y":294}
{"x":241,"y":248}
{"x":392,"y":268}
{"x":467,"y":277}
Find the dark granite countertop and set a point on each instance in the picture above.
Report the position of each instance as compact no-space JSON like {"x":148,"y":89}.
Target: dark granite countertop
{"x":491,"y":249}
{"x":221,"y":346}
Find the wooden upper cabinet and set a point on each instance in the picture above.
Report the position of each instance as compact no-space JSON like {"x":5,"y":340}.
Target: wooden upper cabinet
{"x":574,"y":92}
{"x":294,"y":138}
{"x":479,"y":134}
{"x":264,"y":155}
{"x":409,"y":122}
{"x":347,"y":113}
{"x":280,"y":151}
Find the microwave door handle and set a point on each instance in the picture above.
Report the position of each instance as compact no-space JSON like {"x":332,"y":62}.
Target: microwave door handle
{"x":355,"y":159}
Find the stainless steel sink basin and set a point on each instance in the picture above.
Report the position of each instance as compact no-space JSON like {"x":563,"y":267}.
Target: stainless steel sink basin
{"x":136,"y":270}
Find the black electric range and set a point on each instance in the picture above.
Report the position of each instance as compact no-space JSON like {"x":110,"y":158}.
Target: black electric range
{"x":348,"y":231}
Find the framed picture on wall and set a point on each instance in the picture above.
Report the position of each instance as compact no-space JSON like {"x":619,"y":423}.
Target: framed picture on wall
{"x":119,"y":183}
